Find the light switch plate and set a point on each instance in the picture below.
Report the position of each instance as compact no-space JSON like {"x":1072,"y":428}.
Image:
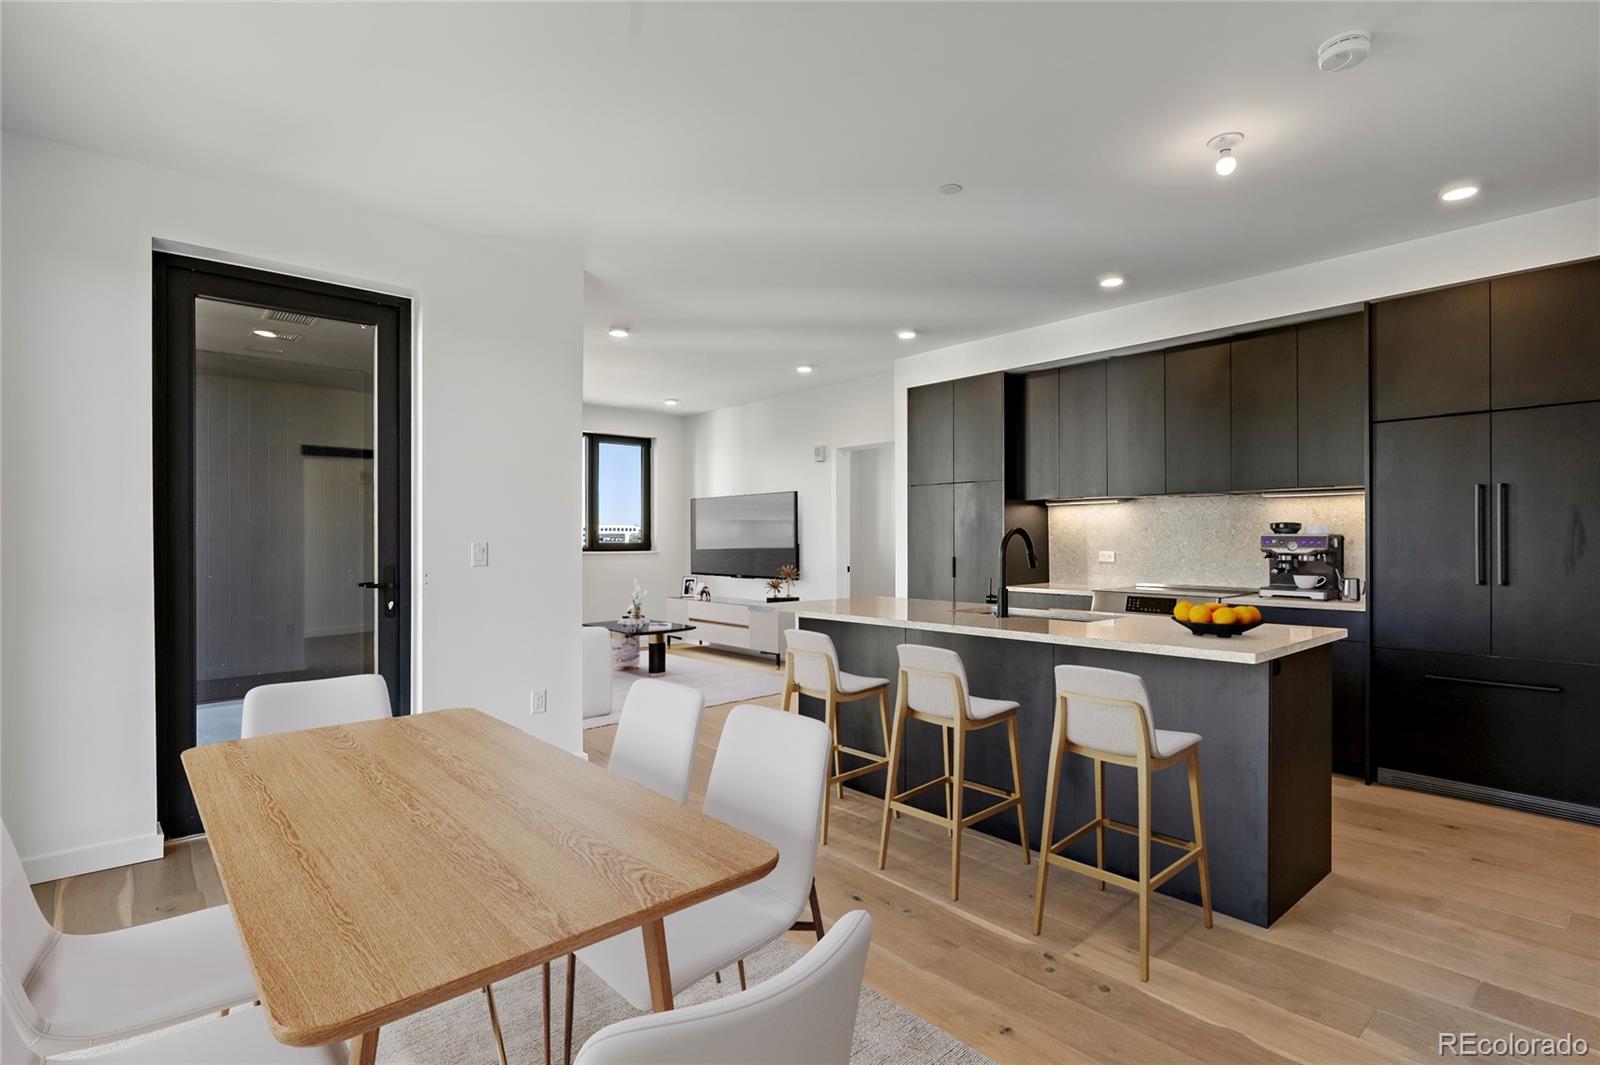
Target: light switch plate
{"x":480,"y":552}
{"x":1108,"y":556}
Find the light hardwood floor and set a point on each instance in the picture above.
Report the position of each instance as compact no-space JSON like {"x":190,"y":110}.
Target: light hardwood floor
{"x":1440,"y":915}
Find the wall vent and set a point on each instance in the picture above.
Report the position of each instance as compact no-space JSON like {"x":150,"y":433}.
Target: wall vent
{"x":289,"y":316}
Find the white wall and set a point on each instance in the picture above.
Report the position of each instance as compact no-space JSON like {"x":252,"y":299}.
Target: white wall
{"x":608,"y":576}
{"x":767,"y":447}
{"x":1559,"y":234}
{"x":497,"y":381}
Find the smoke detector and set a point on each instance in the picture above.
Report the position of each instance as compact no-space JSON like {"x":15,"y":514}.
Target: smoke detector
{"x":1343,"y":51}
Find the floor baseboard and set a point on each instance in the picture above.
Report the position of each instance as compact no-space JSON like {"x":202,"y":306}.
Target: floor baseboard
{"x":96,"y":856}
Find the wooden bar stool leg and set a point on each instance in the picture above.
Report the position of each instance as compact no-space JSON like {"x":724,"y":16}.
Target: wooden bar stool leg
{"x":1197,"y":812}
{"x":1100,"y":818}
{"x":945,"y":738}
{"x":1016,"y":787}
{"x":830,"y":711}
{"x":833,"y":729}
{"x":959,"y":741}
{"x":883,"y":715}
{"x":896,"y":738}
{"x":1052,"y":791}
{"x":1144,"y":871}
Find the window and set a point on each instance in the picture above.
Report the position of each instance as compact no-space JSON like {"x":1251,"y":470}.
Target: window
{"x":616,"y":493}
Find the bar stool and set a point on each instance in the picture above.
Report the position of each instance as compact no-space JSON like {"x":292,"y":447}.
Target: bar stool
{"x":1104,"y":714}
{"x":932,"y":687}
{"x":813,"y":669}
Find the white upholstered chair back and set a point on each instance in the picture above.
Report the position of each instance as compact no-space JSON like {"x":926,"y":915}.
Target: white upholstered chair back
{"x":26,"y":938}
{"x":655,"y":739}
{"x":810,"y":671}
{"x":933,"y":695}
{"x":302,"y":704}
{"x":767,"y":780}
{"x":806,"y":1014}
{"x":1098,"y":725}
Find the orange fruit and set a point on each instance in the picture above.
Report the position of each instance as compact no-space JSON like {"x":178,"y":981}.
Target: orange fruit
{"x":1248,"y":615}
{"x":1181,"y":611}
{"x":1225,"y":616}
{"x":1200,"y":613}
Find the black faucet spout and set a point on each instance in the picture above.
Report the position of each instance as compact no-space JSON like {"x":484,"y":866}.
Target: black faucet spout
{"x":1002,"y":607}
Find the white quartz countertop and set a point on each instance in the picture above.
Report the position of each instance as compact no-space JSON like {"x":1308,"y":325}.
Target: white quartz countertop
{"x":1050,"y":588}
{"x":1295,"y":602}
{"x":1135,"y":633}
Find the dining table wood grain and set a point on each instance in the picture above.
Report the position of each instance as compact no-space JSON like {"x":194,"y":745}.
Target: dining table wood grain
{"x":379,"y":868}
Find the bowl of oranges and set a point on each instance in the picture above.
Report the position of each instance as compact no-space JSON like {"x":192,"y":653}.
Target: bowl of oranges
{"x":1216,"y":619}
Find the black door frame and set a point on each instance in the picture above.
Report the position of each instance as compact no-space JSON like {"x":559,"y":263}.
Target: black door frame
{"x":178,"y":280}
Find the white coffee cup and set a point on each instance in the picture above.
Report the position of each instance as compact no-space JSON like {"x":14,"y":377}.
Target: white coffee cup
{"x":1309,"y":582}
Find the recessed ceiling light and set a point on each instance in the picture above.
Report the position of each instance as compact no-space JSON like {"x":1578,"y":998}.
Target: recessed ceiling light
{"x":950,"y":188}
{"x":906,"y":334}
{"x":670,"y":402}
{"x":1112,"y":281}
{"x":802,"y":369}
{"x":269,"y":334}
{"x":1457,"y":193}
{"x":618,"y":331}
{"x":1224,"y":144}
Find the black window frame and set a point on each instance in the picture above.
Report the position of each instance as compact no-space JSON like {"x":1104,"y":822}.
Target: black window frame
{"x":591,"y":444}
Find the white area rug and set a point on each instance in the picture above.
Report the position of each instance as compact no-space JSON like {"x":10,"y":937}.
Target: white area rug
{"x":718,"y":682}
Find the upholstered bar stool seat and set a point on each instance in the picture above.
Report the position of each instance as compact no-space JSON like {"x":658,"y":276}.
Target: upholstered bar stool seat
{"x":812,"y":668}
{"x":932,"y":688}
{"x":1104,"y":715}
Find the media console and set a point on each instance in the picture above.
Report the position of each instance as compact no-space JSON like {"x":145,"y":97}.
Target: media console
{"x":745,"y":624}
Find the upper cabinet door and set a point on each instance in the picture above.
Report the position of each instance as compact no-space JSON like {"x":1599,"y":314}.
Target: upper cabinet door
{"x":1430,"y":353}
{"x":1265,"y":449}
{"x":1333,"y":402}
{"x":1197,"y":416}
{"x":1136,"y":441}
{"x":930,"y":434}
{"x":1083,"y":430}
{"x":980,"y":428}
{"x":1041,"y":432}
{"x":1545,"y":329}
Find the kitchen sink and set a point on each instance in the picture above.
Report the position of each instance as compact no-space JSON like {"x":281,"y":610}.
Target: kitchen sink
{"x":1035,"y":612}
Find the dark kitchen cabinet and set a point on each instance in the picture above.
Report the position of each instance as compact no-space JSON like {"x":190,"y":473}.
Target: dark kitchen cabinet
{"x":1083,"y":430}
{"x":1545,"y":336}
{"x":1136,"y":439}
{"x":1198,"y":429}
{"x":930,"y":541}
{"x":1429,"y":534}
{"x":1332,"y":402}
{"x":1430,"y":353}
{"x":979,"y":524}
{"x":1349,"y":662}
{"x":930,"y":434}
{"x":980,"y":428}
{"x":1265,"y":435}
{"x":1546,"y":505}
{"x":1041,"y":427}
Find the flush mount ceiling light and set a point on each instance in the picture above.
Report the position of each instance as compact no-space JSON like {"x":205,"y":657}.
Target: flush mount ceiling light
{"x":669,"y":402}
{"x":802,"y":369}
{"x":269,"y":334}
{"x":1112,"y":281}
{"x":949,"y":189}
{"x":620,"y":332}
{"x":906,"y":334}
{"x":1343,"y":51}
{"x":1224,"y":144}
{"x":1457,"y":193}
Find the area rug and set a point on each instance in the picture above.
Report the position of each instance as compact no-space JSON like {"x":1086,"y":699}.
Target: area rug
{"x":719,"y":682}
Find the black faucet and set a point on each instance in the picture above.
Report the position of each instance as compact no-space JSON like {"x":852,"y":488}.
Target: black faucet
{"x":1002,"y":608}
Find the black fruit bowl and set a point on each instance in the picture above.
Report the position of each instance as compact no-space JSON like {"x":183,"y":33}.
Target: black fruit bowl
{"x":1285,"y":528}
{"x":1206,"y":628}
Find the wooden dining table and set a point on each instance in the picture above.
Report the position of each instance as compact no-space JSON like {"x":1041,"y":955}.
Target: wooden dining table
{"x":380,"y":868}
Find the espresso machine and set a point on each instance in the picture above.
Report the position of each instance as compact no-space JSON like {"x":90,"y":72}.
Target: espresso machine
{"x":1304,"y":564}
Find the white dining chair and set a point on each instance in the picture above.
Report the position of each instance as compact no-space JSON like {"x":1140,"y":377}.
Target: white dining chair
{"x":240,"y":1038}
{"x":70,"y":992}
{"x":804,"y":1015}
{"x":302,"y":704}
{"x":767,"y":779}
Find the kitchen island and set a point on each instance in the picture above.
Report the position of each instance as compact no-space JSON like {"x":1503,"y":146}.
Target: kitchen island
{"x":1261,"y":700}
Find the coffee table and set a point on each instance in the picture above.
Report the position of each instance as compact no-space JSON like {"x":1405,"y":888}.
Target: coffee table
{"x":658,"y":631}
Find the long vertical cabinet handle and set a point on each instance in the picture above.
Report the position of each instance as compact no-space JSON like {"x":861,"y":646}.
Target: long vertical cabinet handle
{"x":1480,"y":558}
{"x":1502,"y":549}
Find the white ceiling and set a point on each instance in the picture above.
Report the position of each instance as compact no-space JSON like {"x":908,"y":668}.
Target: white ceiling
{"x":755,"y":184}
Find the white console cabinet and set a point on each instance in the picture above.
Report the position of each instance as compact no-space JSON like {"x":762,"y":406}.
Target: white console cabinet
{"x":747,"y":624}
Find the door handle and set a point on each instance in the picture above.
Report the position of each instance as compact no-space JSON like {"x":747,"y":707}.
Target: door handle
{"x":387,"y":584}
{"x":1502,"y":550}
{"x":1480,"y":561}
{"x":1549,"y":689}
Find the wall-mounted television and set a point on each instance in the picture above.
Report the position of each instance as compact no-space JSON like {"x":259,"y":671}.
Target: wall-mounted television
{"x":744,"y":536}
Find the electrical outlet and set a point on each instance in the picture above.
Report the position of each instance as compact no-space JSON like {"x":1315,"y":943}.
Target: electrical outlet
{"x":480,"y":552}
{"x":1108,"y":556}
{"x":537,"y":700}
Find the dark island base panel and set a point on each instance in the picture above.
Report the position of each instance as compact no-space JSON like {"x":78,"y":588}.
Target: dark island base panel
{"x":1263,"y":759}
